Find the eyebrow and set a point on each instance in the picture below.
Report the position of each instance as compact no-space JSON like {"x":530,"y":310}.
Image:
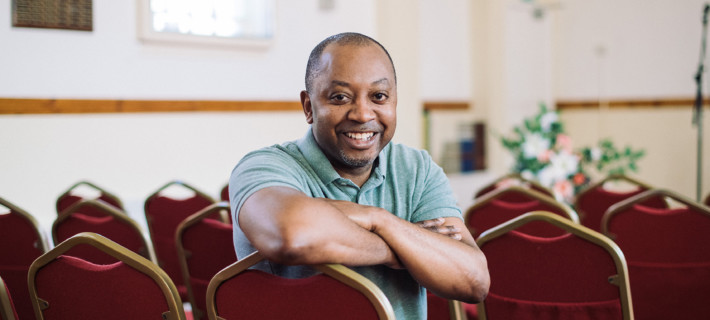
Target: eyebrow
{"x":346,"y":84}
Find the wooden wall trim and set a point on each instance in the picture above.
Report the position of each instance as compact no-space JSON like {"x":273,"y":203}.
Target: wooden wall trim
{"x":449,"y":105}
{"x":629,"y":103}
{"x":58,"y":106}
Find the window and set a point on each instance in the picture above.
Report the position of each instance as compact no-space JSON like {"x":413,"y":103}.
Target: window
{"x":236,"y":22}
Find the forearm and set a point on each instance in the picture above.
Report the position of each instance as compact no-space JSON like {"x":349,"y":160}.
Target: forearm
{"x":454,"y":269}
{"x":290,"y":228}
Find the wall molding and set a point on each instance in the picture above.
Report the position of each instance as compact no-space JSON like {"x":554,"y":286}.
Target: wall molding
{"x":446,"y":105}
{"x":628,"y":103}
{"x":60,"y":106}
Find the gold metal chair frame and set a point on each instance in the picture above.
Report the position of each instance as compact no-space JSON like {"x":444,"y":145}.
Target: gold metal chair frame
{"x":41,"y":243}
{"x":641,"y":197}
{"x":490,"y":196}
{"x":622,"y":277}
{"x":87,"y":183}
{"x":336,"y":271}
{"x":5,"y":304}
{"x":183,"y":254}
{"x":515,"y":176}
{"x":132,"y":259}
{"x":109,"y":210}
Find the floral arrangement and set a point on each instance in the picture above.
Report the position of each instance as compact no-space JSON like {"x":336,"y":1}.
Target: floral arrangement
{"x":544,"y":153}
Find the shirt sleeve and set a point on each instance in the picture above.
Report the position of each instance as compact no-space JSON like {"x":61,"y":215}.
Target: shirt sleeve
{"x":260,"y":169}
{"x":437,"y":199}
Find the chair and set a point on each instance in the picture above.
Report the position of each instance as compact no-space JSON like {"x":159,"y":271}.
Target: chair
{"x":337,"y":293}
{"x":204,"y":247}
{"x":71,"y":196}
{"x":578,"y":275}
{"x":224,"y":194}
{"x":163,"y":214}
{"x":513,"y":179}
{"x":667,"y":252}
{"x":7,"y":309}
{"x":21,"y":242}
{"x":67,"y":287}
{"x":112,"y":224}
{"x":439,"y":308}
{"x":593,"y":201}
{"x":707,"y":200}
{"x":491,"y":210}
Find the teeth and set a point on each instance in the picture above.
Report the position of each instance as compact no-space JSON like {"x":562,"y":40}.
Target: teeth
{"x":360,"y":136}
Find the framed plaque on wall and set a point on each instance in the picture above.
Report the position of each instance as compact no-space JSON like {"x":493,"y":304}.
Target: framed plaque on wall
{"x":53,"y":14}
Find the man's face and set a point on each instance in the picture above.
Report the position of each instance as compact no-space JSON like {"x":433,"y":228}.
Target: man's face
{"x":353,"y":104}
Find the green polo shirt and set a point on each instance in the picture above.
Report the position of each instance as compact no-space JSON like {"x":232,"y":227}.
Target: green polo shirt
{"x":405,"y":182}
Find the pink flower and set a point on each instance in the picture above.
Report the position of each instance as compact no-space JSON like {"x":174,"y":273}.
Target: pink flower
{"x":563,"y":189}
{"x":564,"y":142}
{"x":544,"y":156}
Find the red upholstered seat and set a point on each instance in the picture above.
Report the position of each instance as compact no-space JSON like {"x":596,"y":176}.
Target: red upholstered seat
{"x":224,"y":194}
{"x":561,"y":277}
{"x":7,"y":308}
{"x":439,"y":308}
{"x":510,"y":180}
{"x":20,"y":244}
{"x":163,"y":214}
{"x":68,"y":198}
{"x":105,"y":220}
{"x":667,"y":255}
{"x":205,"y":246}
{"x":337,"y":293}
{"x":592,"y":202}
{"x":67,"y":287}
{"x":490,"y":211}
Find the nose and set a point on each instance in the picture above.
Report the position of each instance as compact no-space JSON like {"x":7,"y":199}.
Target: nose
{"x":361,"y":111}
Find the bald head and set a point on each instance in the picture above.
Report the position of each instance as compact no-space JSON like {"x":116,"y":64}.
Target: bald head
{"x":342,"y":39}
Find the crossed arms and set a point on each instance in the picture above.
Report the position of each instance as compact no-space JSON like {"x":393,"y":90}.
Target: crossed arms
{"x":291,"y":228}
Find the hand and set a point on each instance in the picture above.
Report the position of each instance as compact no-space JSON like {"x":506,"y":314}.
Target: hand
{"x":437,"y":226}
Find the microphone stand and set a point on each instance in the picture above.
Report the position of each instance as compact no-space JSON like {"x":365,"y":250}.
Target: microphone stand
{"x":698,"y":110}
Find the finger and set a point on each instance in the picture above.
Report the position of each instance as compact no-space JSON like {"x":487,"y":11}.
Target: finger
{"x":431,"y":223}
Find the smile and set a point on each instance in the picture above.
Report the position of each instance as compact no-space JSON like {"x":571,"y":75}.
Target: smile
{"x":361,"y":136}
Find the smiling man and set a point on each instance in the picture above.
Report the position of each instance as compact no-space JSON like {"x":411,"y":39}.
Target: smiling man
{"x":344,"y":194}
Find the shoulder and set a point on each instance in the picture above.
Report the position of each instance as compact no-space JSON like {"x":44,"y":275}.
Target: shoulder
{"x":279,"y":154}
{"x":407,"y":157}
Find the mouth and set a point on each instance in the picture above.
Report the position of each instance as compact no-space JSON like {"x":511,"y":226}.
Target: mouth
{"x":360,"y":136}
{"x":360,"y":140}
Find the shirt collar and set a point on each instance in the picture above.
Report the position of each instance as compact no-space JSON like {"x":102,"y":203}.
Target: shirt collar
{"x":322,"y":166}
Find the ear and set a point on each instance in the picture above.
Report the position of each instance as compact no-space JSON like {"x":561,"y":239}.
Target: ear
{"x":307,"y":108}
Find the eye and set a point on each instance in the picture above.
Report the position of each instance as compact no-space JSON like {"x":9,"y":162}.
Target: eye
{"x":380,"y":97}
{"x":339,"y":98}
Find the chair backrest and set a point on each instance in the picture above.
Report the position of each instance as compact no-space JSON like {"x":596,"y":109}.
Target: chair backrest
{"x":513,"y":179}
{"x":336,"y":293}
{"x":667,"y":254}
{"x":439,"y":308}
{"x":204,"y":247}
{"x":224,"y":194}
{"x":69,"y":197}
{"x":490,"y":210}
{"x":21,"y":242}
{"x":113,"y":224}
{"x":67,"y":287}
{"x":163,"y":214}
{"x":7,"y":308}
{"x":593,"y":201}
{"x":578,"y":275}
{"x":707,"y":200}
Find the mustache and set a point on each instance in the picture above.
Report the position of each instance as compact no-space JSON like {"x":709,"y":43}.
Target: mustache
{"x":362,"y":127}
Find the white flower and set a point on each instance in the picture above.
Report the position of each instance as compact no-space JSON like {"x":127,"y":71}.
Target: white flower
{"x":596,"y":154}
{"x":561,"y":166}
{"x":527,"y":175}
{"x":547,"y":120}
{"x":534,"y":144}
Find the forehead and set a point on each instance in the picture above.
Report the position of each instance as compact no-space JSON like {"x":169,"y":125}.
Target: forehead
{"x":354,"y":63}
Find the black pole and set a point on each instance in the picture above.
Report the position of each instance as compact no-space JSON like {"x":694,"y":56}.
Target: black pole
{"x":698,"y":110}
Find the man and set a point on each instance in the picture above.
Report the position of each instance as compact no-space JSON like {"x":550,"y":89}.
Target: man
{"x":344,"y":194}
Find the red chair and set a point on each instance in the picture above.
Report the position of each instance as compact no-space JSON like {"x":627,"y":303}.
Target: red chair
{"x":224,"y":194}
{"x":510,"y":180}
{"x":113,"y":224}
{"x":70,"y":197}
{"x":667,"y":254}
{"x":204,"y":247}
{"x":337,"y":293}
{"x":707,"y":200}
{"x":163,"y":214}
{"x":578,"y":275}
{"x":7,"y":309}
{"x":490,"y":211}
{"x":439,"y":308}
{"x":592,"y":202}
{"x":21,"y":242}
{"x":67,"y":287}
